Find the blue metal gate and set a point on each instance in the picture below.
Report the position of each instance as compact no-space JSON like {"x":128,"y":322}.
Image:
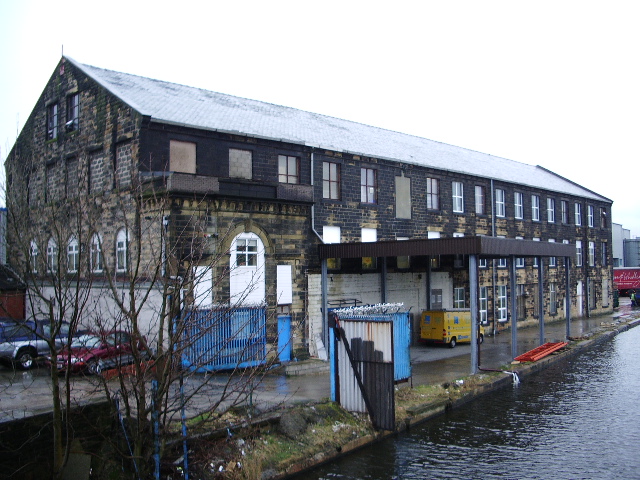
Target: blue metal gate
{"x":224,"y":338}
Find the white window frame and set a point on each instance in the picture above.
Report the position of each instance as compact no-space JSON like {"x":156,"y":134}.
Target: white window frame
{"x":551,"y":210}
{"x":73,"y":255}
{"x":330,"y":180}
{"x":592,"y":254}
{"x":535,"y":259}
{"x":52,"y":254}
{"x":578,"y":253}
{"x":433,"y":193}
{"x":578,"y":214}
{"x":459,"y":297}
{"x":553,"y":300}
{"x":552,"y":260}
{"x":457,"y":195}
{"x":535,"y":208}
{"x":368,"y":185}
{"x":480,"y":200}
{"x":520,"y":260}
{"x":484,"y":305}
{"x":97,"y":260}
{"x":502,"y":303}
{"x":500,"y":208}
{"x":590,"y":216}
{"x":34,"y":253}
{"x":122,"y":250}
{"x":564,"y":211}
{"x":518,"y":205}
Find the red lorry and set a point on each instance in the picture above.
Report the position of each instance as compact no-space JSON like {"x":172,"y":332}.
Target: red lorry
{"x":625,"y":279}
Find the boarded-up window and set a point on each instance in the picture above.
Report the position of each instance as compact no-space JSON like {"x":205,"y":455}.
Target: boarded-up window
{"x":182,"y":156}
{"x":240,"y":164}
{"x":72,"y":177}
{"x":403,"y":197}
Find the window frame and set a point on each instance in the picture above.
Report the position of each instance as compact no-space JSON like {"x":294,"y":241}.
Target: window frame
{"x":331,"y":180}
{"x":34,"y":255}
{"x":591,"y":254}
{"x":73,"y":255}
{"x":590,"y":216}
{"x":96,"y":257}
{"x":500,"y":203}
{"x":52,"y":254}
{"x":459,"y":297}
{"x":502,"y":309}
{"x":433,"y":194}
{"x":480,"y":200}
{"x":483,"y":302}
{"x":578,"y":253}
{"x":53,"y":120}
{"x":457,"y":196}
{"x":287,"y":177}
{"x":535,"y":208}
{"x":368,"y":185}
{"x":122,"y":250}
{"x":564,"y":212}
{"x":248,"y":255}
{"x":551,"y":210}
{"x":578,"y":214}
{"x":518,"y":205}
{"x":72,"y":123}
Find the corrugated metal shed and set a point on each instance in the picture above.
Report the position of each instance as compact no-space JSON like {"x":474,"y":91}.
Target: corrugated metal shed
{"x":487,"y":247}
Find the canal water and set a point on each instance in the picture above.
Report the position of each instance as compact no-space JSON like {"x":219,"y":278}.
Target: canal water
{"x":578,"y":419}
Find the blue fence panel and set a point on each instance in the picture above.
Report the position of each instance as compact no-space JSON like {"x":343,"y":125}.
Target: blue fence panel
{"x":284,"y":338}
{"x":224,"y":339}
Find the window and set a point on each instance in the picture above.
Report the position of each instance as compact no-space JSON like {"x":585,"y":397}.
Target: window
{"x":535,"y":208}
{"x":240,"y":163}
{"x":331,"y":180}
{"x":578,"y":253}
{"x":369,"y":235}
{"x":433,"y":194}
{"x":403,"y":197}
{"x":605,"y":256}
{"x":73,"y":112}
{"x":480,"y":200}
{"x":519,"y":260}
{"x":368,"y":185}
{"x":73,"y":254}
{"x":482,"y":263}
{"x":458,"y":259}
{"x":535,"y":259}
{"x":458,"y":297}
{"x":552,"y":260}
{"x":564,"y":211}
{"x":403,"y":261}
{"x":458,"y":197}
{"x":500,"y":210}
{"x":288,"y":169}
{"x":502,"y":303}
{"x":553,"y":302}
{"x":247,"y":252}
{"x":96,"y":254}
{"x":52,"y":256}
{"x":122,"y":241}
{"x":484,"y":305}
{"x":52,"y":121}
{"x":590,"y":216}
{"x":578,"y":214}
{"x":551,"y":210}
{"x":331,"y":235}
{"x":603,"y":218}
{"x":518,"y":205}
{"x":592,"y":254}
{"x":33,"y":256}
{"x":182,"y":156}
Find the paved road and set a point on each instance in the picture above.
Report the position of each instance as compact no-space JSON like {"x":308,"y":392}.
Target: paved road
{"x":27,"y":393}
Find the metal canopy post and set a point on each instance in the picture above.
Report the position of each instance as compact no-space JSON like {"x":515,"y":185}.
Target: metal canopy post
{"x":473,"y":301}
{"x":514,"y":307}
{"x":383,"y":281}
{"x":567,"y":290}
{"x":541,"y":299}
{"x":325,"y":307}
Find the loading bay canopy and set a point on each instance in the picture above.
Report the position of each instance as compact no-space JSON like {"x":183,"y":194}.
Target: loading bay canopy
{"x":475,"y":247}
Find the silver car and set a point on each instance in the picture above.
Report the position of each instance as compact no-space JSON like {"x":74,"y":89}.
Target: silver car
{"x":22,"y":342}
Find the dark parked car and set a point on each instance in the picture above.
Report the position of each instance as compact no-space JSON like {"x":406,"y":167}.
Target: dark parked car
{"x":23,"y":341}
{"x":96,"y":352}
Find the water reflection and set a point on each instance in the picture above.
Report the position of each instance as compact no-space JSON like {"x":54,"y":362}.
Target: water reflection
{"x":578,"y":419}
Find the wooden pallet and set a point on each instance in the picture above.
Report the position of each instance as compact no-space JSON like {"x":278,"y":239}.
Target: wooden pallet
{"x":540,"y":352}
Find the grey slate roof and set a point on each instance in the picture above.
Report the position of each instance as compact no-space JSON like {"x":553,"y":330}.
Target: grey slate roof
{"x":177,"y":104}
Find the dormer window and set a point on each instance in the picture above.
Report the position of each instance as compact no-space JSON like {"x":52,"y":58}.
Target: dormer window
{"x":73,"y":112}
{"x":52,"y":121}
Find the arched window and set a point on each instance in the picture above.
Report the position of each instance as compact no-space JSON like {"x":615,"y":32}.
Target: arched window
{"x":122,"y":247}
{"x":96,"y":253}
{"x":247,"y":282}
{"x":52,"y":256}
{"x":73,"y":255}
{"x":33,"y":255}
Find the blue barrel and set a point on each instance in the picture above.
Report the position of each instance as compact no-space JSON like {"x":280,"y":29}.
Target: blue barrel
{"x":284,"y":338}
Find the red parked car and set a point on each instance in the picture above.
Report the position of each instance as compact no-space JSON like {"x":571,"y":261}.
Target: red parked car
{"x":94,"y":353}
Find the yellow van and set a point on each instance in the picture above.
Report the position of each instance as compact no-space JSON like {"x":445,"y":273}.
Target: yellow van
{"x":447,"y":326}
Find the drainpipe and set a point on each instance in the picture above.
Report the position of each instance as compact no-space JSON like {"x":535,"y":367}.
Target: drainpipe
{"x":313,"y":205}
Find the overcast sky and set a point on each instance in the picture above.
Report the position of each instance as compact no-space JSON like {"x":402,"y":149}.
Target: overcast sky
{"x":550,"y":83}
